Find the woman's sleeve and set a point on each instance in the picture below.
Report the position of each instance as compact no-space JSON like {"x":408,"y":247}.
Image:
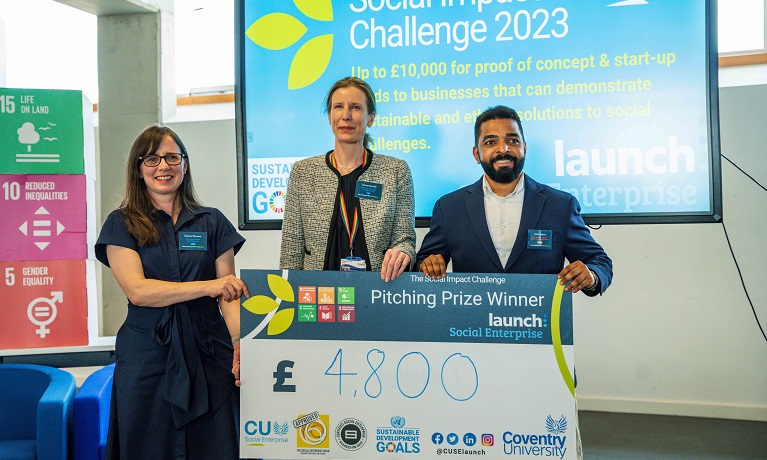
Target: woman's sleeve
{"x":226,"y":236}
{"x":403,"y":236}
{"x":114,"y":233}
{"x":292,"y":246}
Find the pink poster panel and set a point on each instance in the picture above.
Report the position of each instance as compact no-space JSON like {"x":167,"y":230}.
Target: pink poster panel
{"x":43,"y":217}
{"x":43,"y":304}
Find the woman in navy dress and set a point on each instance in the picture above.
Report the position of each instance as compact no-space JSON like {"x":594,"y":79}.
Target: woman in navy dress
{"x":175,"y":392}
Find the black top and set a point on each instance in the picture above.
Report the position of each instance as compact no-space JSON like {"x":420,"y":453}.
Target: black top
{"x":173,"y":390}
{"x":338,"y":238}
{"x":164,"y":261}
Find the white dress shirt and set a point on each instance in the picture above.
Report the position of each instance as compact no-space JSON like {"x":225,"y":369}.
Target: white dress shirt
{"x":503,"y":214}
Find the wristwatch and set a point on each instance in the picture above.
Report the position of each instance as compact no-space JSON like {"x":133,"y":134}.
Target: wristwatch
{"x":596,"y":281}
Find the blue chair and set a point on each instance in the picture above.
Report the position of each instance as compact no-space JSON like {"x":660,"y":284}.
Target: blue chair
{"x":91,"y":420}
{"x":36,"y":405}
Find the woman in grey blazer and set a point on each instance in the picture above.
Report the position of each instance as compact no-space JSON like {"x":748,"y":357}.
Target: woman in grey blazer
{"x":349,"y":209}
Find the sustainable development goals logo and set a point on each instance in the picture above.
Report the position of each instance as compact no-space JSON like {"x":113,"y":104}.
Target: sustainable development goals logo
{"x":279,"y":31}
{"x":313,"y":304}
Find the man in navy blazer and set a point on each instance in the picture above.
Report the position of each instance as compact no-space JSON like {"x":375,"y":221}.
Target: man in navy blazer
{"x":508,"y":223}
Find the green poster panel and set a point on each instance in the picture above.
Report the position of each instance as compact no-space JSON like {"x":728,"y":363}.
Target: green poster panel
{"x":41,"y":131}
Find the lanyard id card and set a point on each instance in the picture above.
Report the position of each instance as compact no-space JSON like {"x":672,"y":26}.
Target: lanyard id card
{"x":351,"y":225}
{"x":353,"y":264}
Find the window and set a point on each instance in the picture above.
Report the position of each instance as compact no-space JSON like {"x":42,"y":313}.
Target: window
{"x":741,"y":26}
{"x":204,"y":45}
{"x":65,"y":56}
{"x":55,"y":50}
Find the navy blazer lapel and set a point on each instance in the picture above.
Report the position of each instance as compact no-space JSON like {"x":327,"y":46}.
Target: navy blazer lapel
{"x":475,"y":207}
{"x":532,"y":206}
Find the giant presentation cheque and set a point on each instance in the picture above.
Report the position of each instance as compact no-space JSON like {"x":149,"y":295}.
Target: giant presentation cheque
{"x":341,"y":365}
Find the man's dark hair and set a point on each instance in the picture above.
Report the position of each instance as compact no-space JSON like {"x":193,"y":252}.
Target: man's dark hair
{"x":499,"y":112}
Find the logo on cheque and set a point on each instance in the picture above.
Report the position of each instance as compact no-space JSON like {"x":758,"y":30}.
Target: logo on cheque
{"x":277,"y":321}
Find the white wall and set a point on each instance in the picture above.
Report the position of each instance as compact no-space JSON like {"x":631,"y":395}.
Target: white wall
{"x":675,"y":333}
{"x":3,"y":48}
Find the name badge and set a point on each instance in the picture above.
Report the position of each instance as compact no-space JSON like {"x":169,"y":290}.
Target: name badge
{"x":353,"y":264}
{"x":368,"y":190}
{"x":539,"y":239}
{"x":193,"y":241}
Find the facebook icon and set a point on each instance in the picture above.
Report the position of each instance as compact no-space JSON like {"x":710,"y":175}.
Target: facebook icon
{"x":437,"y":438}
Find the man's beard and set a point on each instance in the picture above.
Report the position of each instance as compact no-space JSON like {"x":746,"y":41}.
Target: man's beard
{"x":506,"y":174}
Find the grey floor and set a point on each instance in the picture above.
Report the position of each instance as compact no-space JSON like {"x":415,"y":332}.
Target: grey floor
{"x":614,"y":436}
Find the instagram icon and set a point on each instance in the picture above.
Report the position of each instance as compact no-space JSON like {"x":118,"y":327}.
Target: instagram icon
{"x":488,"y":440}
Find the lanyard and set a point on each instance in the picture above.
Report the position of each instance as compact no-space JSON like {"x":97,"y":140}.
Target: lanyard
{"x":351,"y":225}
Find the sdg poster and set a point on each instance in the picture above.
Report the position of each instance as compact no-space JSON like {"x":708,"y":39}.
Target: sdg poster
{"x":45,"y":131}
{"x":44,"y":304}
{"x":344,"y":366}
{"x":617,"y":98}
{"x":44,"y":217}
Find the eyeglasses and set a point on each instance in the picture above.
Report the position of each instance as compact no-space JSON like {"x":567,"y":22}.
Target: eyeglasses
{"x":172,"y":159}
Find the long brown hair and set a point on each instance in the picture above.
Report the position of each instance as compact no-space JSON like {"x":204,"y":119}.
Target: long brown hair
{"x":136,"y":204}
{"x":354,"y":82}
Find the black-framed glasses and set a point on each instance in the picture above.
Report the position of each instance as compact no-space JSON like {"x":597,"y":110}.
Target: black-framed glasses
{"x":172,"y":159}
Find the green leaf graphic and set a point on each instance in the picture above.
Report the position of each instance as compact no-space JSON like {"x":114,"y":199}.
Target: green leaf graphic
{"x":276,"y":31}
{"x":280,"y":287}
{"x":310,"y":61}
{"x":260,"y":304}
{"x":321,"y":10}
{"x":280,"y":322}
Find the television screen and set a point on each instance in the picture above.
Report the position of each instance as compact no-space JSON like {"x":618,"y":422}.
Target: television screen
{"x":618,"y":98}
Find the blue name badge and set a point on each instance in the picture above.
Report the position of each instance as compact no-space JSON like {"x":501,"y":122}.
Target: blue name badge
{"x":539,"y":239}
{"x":193,"y":241}
{"x":368,"y":190}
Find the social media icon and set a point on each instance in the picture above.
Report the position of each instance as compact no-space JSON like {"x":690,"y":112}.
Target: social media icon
{"x":452,"y":439}
{"x":437,"y":438}
{"x":488,"y":439}
{"x":469,"y":439}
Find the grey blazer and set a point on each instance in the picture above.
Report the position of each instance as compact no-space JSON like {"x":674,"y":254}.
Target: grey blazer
{"x":309,"y":203}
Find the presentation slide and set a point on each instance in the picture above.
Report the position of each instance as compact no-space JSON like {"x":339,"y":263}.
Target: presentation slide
{"x":618,"y":98}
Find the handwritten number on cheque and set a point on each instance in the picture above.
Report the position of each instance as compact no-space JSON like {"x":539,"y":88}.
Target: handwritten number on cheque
{"x":458,"y":376}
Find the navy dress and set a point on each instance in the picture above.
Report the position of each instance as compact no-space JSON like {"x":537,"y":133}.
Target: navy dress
{"x":174,"y":395}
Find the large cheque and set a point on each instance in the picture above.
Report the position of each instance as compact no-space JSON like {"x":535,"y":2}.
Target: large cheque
{"x":341,"y":365}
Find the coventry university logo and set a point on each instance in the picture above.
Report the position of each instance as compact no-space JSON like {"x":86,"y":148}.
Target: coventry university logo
{"x":556,"y":426}
{"x":278,"y":31}
{"x":277,"y":321}
{"x":549,"y":444}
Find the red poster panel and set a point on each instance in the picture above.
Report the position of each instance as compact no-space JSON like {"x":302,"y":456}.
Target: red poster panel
{"x":43,"y":304}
